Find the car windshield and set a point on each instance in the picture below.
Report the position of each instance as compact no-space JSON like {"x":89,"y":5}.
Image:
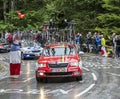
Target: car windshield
{"x":59,"y":51}
{"x":29,"y":44}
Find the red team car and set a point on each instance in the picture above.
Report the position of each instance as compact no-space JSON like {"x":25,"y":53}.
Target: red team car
{"x":59,"y":60}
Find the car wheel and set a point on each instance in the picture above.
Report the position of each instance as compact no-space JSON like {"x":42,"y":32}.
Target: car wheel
{"x":79,"y":78}
{"x":6,"y":51}
{"x":39,"y":79}
{"x":45,"y":80}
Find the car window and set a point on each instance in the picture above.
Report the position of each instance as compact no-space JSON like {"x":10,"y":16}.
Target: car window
{"x":59,"y":51}
{"x":29,"y":44}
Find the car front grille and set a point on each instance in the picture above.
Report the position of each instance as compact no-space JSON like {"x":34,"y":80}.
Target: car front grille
{"x":58,"y":65}
{"x":58,"y":74}
{"x":36,"y":51}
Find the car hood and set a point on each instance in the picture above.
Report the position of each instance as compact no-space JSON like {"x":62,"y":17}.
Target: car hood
{"x":57,"y":59}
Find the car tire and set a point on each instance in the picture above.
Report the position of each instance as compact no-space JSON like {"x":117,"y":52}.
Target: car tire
{"x":8,"y":50}
{"x":45,"y":80}
{"x":79,"y":78}
{"x":39,"y":79}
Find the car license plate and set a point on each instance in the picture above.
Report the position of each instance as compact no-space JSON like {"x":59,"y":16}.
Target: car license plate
{"x":37,"y":54}
{"x":59,"y":69}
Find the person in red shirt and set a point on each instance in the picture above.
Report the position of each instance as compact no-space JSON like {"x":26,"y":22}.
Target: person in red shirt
{"x":10,"y":38}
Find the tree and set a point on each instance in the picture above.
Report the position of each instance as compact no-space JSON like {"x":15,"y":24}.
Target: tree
{"x":5,"y":10}
{"x":109,"y":19}
{"x":90,"y":15}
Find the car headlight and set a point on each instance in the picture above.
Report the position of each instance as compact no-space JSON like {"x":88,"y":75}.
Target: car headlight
{"x":27,"y":51}
{"x":74,"y":63}
{"x":40,"y":65}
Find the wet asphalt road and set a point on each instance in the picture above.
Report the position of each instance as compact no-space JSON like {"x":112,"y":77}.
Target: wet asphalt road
{"x":101,"y":80}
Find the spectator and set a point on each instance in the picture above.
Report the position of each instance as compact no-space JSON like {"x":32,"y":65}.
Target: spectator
{"x":103,"y":44}
{"x":77,"y":38}
{"x":81,"y":42}
{"x":117,"y":40}
{"x":94,"y":43}
{"x":10,"y":38}
{"x":6,"y":37}
{"x":113,"y":44}
{"x":98,"y":43}
{"x":89,"y":42}
{"x":39,"y":37}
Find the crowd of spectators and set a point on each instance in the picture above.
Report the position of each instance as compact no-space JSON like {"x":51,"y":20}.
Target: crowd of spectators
{"x":97,"y":43}
{"x":91,"y":42}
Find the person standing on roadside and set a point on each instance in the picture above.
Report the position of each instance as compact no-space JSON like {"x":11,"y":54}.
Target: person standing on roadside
{"x":89,"y":41}
{"x":117,"y":40}
{"x":94,"y":43}
{"x":15,"y":59}
{"x":6,"y":37}
{"x":39,"y":37}
{"x":10,"y":38}
{"x":98,"y":42}
{"x":103,"y":44}
{"x":113,"y":44}
{"x":77,"y":39}
{"x":81,"y":42}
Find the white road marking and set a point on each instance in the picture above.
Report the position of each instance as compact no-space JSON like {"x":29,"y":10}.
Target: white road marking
{"x":115,"y":67}
{"x":114,"y":74}
{"x":53,"y":91}
{"x":89,"y":88}
{"x":64,"y":92}
{"x":2,"y":90}
{"x":35,"y":91}
{"x":94,"y":77}
{"x":60,"y":90}
{"x":28,"y":79}
{"x":4,"y":74}
{"x":86,"y":69}
{"x":83,"y":92}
